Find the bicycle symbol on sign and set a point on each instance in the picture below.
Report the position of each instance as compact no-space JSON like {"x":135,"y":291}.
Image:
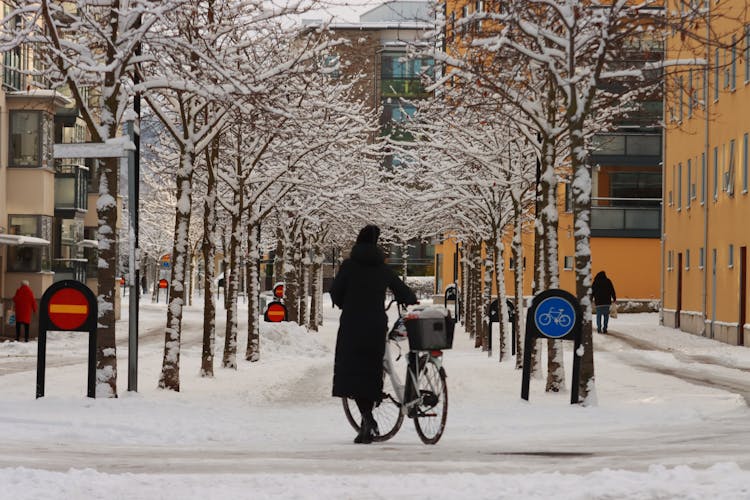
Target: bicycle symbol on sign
{"x":556,"y":316}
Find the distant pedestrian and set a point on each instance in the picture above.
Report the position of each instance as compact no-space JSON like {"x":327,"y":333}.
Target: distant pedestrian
{"x":144,"y":284}
{"x":604,"y":295}
{"x":24,"y":303}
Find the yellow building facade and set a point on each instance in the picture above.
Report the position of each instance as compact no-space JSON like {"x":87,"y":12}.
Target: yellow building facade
{"x":707,"y":205}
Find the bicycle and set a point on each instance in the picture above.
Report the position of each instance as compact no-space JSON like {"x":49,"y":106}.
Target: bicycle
{"x":427,"y":405}
{"x":556,"y":316}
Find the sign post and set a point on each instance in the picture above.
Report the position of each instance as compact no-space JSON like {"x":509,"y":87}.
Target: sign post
{"x":554,"y":314}
{"x":67,"y":306}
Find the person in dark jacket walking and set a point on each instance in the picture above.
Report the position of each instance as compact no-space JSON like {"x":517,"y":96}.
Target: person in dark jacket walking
{"x":24,"y":304}
{"x":604,"y":294}
{"x":359,"y":291}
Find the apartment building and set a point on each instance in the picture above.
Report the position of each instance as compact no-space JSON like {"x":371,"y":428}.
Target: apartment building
{"x":388,"y":81}
{"x":46,"y":230}
{"x":706,"y":180}
{"x":626,"y":192}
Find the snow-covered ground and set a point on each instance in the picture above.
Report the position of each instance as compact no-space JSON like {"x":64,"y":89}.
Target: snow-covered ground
{"x":671,"y":422}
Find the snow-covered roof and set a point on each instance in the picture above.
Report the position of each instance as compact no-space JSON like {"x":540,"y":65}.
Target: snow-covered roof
{"x":22,"y":241}
{"x":60,"y":99}
{"x":401,"y":15}
{"x":399,"y":11}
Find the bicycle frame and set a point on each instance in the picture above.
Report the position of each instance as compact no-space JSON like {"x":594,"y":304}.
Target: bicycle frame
{"x":400,"y":387}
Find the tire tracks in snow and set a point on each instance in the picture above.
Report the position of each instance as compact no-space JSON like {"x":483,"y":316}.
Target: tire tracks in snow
{"x":733,"y":379}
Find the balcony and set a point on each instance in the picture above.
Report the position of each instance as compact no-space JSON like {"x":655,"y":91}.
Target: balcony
{"x":71,"y":188}
{"x":626,"y":217}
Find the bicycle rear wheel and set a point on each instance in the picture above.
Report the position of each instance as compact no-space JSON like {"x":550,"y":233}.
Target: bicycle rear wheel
{"x":387,"y":413}
{"x":432,"y":411}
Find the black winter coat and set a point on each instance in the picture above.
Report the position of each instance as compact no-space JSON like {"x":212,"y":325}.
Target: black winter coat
{"x":359,"y":290}
{"x":603,"y":291}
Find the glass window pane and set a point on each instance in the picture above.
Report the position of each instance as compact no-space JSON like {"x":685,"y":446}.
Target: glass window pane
{"x":24,"y":259}
{"x":24,"y":138}
{"x":644,"y":145}
{"x":608,"y":145}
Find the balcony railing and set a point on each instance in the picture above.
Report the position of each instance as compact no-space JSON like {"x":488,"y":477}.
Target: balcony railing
{"x":626,"y":217}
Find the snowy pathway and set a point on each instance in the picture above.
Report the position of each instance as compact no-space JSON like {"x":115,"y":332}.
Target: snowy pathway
{"x":274,"y":428}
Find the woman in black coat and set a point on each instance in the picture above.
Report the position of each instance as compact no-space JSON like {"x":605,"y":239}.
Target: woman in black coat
{"x":359,"y":291}
{"x":604,"y":294}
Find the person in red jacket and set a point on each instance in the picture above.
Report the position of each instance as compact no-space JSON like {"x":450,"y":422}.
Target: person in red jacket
{"x":25,"y":304}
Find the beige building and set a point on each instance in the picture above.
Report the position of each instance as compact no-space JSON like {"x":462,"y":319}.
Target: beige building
{"x":47,"y":232}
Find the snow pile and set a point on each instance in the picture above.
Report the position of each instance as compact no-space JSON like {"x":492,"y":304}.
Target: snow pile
{"x":290,"y":339}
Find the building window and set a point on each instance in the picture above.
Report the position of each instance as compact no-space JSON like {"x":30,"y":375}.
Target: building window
{"x":568,"y":263}
{"x":703,"y":178}
{"x":716,"y":75}
{"x":669,"y":260}
{"x":687,"y":259}
{"x":733,"y":75}
{"x":25,"y":139}
{"x":331,"y":66}
{"x":730,"y":257}
{"x":25,"y":259}
{"x":690,"y":93}
{"x":568,"y":198}
{"x":729,"y":174}
{"x":679,"y":186}
{"x":681,"y":85}
{"x":727,"y":71}
{"x":479,"y":9}
{"x":716,"y":173}
{"x":702,"y":258}
{"x":745,"y":152}
{"x":690,"y":190}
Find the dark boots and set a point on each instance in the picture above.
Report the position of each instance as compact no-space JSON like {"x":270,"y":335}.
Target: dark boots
{"x":368,"y":430}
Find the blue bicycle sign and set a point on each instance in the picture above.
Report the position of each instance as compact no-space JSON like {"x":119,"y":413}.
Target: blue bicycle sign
{"x":554,"y":317}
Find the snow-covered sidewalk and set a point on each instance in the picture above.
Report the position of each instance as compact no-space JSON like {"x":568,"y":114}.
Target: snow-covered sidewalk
{"x":271,"y":430}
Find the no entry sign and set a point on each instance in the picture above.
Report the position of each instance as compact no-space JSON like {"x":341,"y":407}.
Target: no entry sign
{"x":275,"y":312}
{"x":68,"y":309}
{"x":67,"y":306}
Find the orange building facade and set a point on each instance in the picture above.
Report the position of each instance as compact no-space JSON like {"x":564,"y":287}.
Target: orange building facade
{"x":707,"y":204}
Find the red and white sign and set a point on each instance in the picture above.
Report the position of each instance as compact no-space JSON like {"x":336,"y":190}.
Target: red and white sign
{"x":276,"y":312}
{"x":68,"y":309}
{"x":163,"y":283}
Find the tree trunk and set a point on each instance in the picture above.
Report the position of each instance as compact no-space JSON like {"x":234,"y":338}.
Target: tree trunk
{"x":170,"y":370}
{"x":489,"y":264}
{"x":291,"y":292}
{"x":106,"y":212}
{"x":278,"y":258}
{"x":502,"y":309}
{"x":551,"y":278}
{"x":581,"y":187}
{"x":229,"y":359}
{"x":517,"y":252}
{"x":252,"y":353}
{"x":209,"y":257}
{"x":478,"y":311}
{"x":316,"y":292}
{"x":303,"y":270}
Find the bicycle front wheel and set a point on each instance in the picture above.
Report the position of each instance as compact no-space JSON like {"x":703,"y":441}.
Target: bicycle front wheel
{"x":432,"y":411}
{"x":387,"y":413}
